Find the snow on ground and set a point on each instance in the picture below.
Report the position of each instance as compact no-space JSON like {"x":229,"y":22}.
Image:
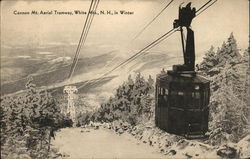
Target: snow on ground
{"x":121,"y":140}
{"x":79,"y":143}
{"x":244,"y":147}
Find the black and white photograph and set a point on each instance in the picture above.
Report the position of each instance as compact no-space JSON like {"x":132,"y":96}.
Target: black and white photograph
{"x":125,"y":79}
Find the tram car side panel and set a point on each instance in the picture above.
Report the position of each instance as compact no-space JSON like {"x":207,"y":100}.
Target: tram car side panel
{"x":181,"y":104}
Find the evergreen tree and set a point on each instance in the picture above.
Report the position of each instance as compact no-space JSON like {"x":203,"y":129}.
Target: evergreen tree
{"x":227,"y":113}
{"x":209,"y":62}
{"x":246,"y":57}
{"x":246,"y":83}
{"x":229,"y":52}
{"x":28,"y":121}
{"x":228,"y":104}
{"x":131,"y":102}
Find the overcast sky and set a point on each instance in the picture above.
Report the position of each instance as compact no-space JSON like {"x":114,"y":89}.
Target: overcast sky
{"x":211,"y":27}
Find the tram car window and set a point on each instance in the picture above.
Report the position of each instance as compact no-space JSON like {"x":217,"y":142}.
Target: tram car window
{"x":183,"y":108}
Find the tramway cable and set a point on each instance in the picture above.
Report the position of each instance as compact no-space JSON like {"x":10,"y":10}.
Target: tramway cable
{"x":206,"y":8}
{"x":203,"y":5}
{"x":103,"y":75}
{"x":154,"y":43}
{"x":87,"y":24}
{"x":145,"y":27}
{"x":86,"y":32}
{"x":82,"y":34}
{"x":69,"y":89}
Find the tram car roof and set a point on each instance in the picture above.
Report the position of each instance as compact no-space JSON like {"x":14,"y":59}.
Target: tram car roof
{"x":164,"y":79}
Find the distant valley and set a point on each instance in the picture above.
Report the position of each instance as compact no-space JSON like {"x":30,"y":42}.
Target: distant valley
{"x":49,"y":68}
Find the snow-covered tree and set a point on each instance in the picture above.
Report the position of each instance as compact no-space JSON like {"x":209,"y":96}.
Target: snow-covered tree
{"x":229,"y":108}
{"x":132,"y":101}
{"x":229,"y":52}
{"x":209,"y":62}
{"x":27,"y":123}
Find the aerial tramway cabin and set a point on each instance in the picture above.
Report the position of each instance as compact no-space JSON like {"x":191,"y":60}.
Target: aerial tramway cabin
{"x":182,"y":96}
{"x":182,"y":104}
